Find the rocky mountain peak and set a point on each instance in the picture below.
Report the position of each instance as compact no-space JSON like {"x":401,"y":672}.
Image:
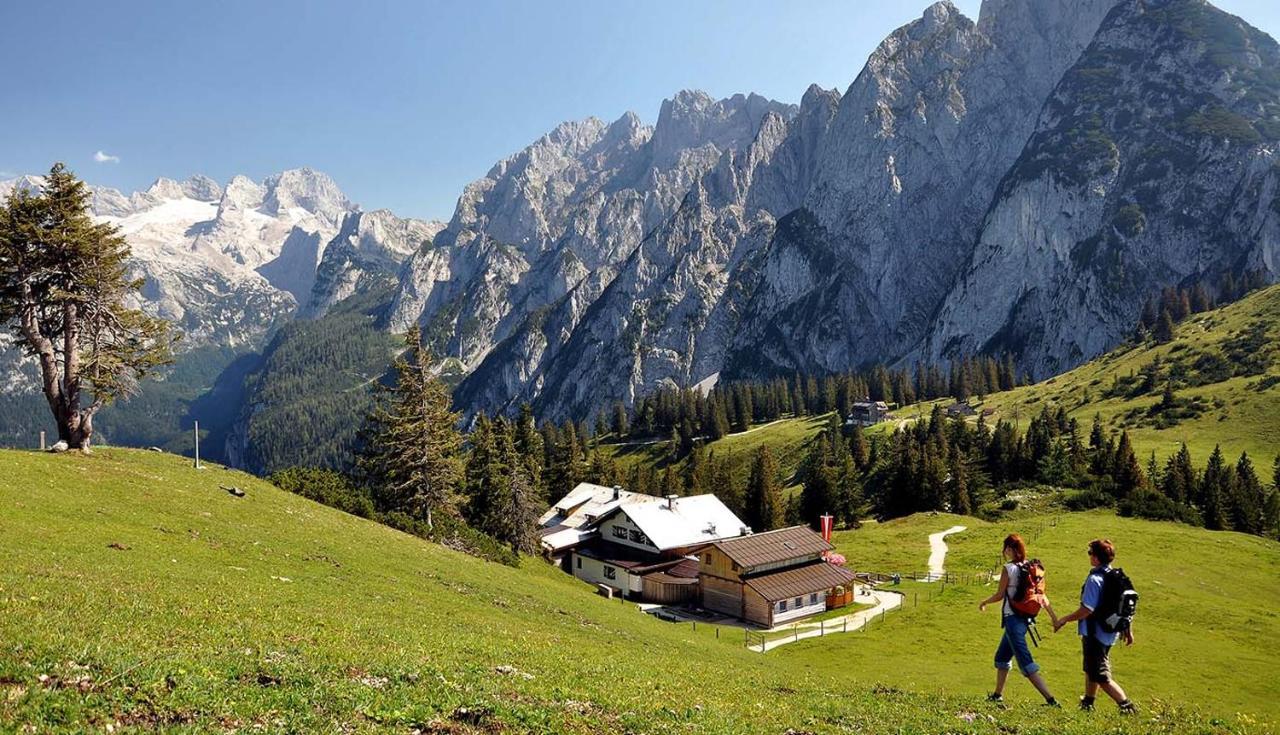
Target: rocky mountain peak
{"x":692,"y":119}
{"x":305,"y":189}
{"x":241,"y":193}
{"x":164,"y":188}
{"x":202,"y":188}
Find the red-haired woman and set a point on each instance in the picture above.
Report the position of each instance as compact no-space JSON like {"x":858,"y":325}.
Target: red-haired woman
{"x":1013,"y":639}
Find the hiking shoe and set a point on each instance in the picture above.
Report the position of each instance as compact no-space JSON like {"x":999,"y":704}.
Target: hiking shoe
{"x":1052,"y":703}
{"x":994,"y":697}
{"x":1127,"y":707}
{"x":1086,"y":704}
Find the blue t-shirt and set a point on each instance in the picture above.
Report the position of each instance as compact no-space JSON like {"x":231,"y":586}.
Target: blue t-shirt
{"x":1090,"y":596}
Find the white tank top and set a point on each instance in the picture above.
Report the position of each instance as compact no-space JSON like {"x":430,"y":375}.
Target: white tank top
{"x":1013,"y":572}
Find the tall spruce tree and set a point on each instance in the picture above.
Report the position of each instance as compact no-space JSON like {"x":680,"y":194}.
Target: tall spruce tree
{"x":1126,"y":470}
{"x":64,"y":286}
{"x":412,"y":458}
{"x":517,"y":505}
{"x":1248,"y":499}
{"x":1215,"y":491}
{"x":766,"y":509}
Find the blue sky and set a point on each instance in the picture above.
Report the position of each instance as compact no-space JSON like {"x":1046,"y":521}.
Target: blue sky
{"x":402,"y":102}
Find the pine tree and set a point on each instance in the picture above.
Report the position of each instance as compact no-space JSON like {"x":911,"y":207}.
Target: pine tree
{"x":528,"y":444}
{"x":64,"y":285}
{"x":1248,"y":499}
{"x":515,"y":517}
{"x":484,"y":475}
{"x":765,"y":507}
{"x":1215,"y":491}
{"x":851,"y":498}
{"x":1164,"y":328}
{"x":961,"y":501}
{"x":412,"y":460}
{"x":1178,"y":482}
{"x":858,"y":449}
{"x":728,"y":491}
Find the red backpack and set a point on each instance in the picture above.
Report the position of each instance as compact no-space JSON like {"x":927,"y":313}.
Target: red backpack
{"x":1028,"y":595}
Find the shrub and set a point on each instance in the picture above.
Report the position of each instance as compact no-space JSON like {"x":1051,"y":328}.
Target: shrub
{"x":1093,"y":497}
{"x":1155,"y":506}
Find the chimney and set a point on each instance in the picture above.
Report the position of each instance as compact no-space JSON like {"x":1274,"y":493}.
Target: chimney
{"x":617,"y":492}
{"x":744,"y":531}
{"x":671,"y":502}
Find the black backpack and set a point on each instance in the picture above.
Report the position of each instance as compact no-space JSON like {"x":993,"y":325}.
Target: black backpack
{"x":1117,"y":604}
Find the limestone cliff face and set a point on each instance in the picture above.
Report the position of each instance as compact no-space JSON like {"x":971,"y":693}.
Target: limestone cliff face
{"x":576,"y":202}
{"x":903,"y":178}
{"x":1154,"y":162}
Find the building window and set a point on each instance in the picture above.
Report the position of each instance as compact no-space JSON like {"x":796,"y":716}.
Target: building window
{"x":579,"y":560}
{"x":620,"y":532}
{"x":813,"y":598}
{"x":782,"y":605}
{"x":735,"y":567}
{"x":799,"y":602}
{"x":706,"y":559}
{"x":639,"y":538}
{"x":610,"y":572}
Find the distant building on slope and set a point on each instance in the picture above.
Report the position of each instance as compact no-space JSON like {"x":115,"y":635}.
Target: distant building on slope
{"x":867,"y":413}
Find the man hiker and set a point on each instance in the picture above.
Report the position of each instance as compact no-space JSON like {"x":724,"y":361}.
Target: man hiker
{"x":1095,"y":640}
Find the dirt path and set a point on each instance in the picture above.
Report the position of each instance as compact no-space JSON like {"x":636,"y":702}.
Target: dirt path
{"x":846,"y":624}
{"x":938,"y":552}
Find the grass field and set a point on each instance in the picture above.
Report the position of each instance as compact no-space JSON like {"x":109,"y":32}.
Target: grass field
{"x":1207,"y":625}
{"x":135,"y":592}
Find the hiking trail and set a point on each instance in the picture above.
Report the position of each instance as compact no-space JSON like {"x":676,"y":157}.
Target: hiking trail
{"x":938,"y":552}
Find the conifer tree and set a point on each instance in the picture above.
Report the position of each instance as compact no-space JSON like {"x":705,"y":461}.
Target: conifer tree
{"x":483,"y":473}
{"x":1164,"y":328}
{"x":528,"y":444}
{"x":64,"y":286}
{"x":961,"y":501}
{"x":725,"y":488}
{"x":412,"y":460}
{"x":1248,"y":500}
{"x":1178,"y":482}
{"x":1215,"y":491}
{"x":517,"y":505}
{"x":765,"y":507}
{"x":1126,"y":469}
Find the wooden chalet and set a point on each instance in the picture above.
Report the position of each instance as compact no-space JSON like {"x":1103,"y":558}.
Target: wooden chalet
{"x":769,"y":578}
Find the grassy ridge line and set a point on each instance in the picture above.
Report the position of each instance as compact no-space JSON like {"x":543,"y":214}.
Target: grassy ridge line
{"x":1242,"y":417}
{"x":1248,"y":419}
{"x":149,"y":597}
{"x":1207,"y":621}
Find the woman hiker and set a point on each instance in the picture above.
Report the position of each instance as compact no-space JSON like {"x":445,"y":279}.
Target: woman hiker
{"x":1013,"y":639}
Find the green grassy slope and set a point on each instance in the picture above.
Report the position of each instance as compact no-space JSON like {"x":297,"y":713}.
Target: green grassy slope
{"x":134,"y":591}
{"x":1226,"y":362}
{"x":787,"y":438}
{"x":1208,"y":619}
{"x":1228,"y":358}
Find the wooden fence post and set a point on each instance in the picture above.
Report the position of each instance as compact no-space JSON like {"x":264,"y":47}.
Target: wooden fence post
{"x":42,"y":447}
{"x":196,"y":431}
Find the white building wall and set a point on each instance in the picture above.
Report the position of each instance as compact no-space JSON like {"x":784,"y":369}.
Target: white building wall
{"x":618,"y":529}
{"x":806,"y":608}
{"x":594,"y":571}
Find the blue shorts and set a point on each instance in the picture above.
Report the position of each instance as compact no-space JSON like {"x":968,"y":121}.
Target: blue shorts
{"x":1013,"y":644}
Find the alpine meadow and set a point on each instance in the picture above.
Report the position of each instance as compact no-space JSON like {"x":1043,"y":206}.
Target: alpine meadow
{"x":945,"y":400}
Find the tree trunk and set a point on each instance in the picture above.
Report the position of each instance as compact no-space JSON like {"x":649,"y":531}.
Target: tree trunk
{"x":75,"y":419}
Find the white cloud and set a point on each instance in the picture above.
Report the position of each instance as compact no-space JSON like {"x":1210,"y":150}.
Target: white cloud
{"x":101,"y":157}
